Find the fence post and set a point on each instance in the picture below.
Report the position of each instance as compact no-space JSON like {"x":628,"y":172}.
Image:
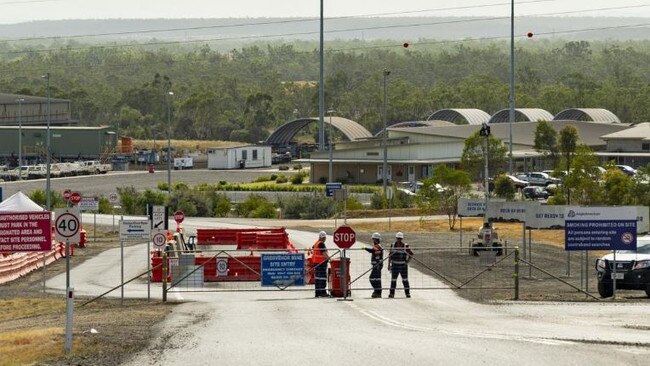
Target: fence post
{"x":516,"y":274}
{"x":164,"y":277}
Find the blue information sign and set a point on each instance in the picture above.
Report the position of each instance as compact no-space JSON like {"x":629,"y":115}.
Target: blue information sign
{"x":331,"y":187}
{"x":283,"y":269}
{"x":598,"y":229}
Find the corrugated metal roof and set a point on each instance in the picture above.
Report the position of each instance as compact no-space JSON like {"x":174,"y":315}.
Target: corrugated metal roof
{"x":285,"y":133}
{"x":522,"y":115}
{"x":636,"y":132}
{"x":417,"y":124}
{"x":461,"y":116}
{"x":588,"y":114}
{"x":28,"y":99}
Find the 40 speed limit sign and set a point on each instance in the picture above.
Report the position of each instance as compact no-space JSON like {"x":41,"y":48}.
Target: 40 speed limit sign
{"x":67,"y":225}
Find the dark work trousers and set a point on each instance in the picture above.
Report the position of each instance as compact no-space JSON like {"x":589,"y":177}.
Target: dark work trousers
{"x":320,"y":275}
{"x":375,"y":278}
{"x":399,"y":270}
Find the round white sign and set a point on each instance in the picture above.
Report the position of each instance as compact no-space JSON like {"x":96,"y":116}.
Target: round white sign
{"x":159,"y":239}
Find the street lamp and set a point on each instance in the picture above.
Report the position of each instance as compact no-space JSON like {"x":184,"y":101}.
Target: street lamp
{"x":321,"y":85}
{"x":511,"y":117}
{"x":20,"y":136}
{"x":385,"y":137}
{"x":330,"y":176}
{"x":169,"y":144}
{"x":48,"y":158}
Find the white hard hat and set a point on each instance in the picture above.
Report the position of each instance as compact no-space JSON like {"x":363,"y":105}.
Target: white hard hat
{"x":376,"y":236}
{"x":322,"y":235}
{"x":399,"y":235}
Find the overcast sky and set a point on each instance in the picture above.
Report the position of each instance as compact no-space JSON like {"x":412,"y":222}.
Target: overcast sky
{"x":17,"y":11}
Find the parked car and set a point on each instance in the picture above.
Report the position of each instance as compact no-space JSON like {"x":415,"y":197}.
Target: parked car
{"x":626,"y":169}
{"x":538,"y":178}
{"x":518,"y":183}
{"x":535,"y":192}
{"x":632,"y":269}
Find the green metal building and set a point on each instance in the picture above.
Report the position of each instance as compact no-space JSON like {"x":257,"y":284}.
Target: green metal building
{"x":66,"y":143}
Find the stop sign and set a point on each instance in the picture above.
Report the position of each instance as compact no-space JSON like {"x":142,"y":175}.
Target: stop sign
{"x":66,"y":195}
{"x":179,"y":216}
{"x":75,"y":198}
{"x":344,"y":237}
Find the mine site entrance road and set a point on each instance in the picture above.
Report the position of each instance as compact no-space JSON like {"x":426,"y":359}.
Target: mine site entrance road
{"x":433,"y":327}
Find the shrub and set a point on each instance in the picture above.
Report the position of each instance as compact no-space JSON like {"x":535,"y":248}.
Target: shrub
{"x":297,"y":178}
{"x":322,"y":180}
{"x":297,"y":166}
{"x":281,"y":179}
{"x":283,"y":167}
{"x":162,"y":186}
{"x":307,"y":207}
{"x":274,"y":176}
{"x":503,"y":187}
{"x":222,"y":205}
{"x":105,"y":207}
{"x":352,"y":203}
{"x":129,"y":200}
{"x":262,"y":178}
{"x":56,"y":199}
{"x":256,"y":206}
{"x":222,"y":182}
{"x":180,"y":186}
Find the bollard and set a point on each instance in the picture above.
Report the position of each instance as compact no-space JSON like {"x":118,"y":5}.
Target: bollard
{"x":164,"y":277}
{"x":516,"y":274}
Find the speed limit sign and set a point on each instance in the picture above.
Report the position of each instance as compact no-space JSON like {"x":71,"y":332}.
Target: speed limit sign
{"x":158,"y":237}
{"x":67,"y":225}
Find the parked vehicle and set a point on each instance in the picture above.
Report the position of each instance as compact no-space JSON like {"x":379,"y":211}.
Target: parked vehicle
{"x":632,"y":269}
{"x":94,"y":167}
{"x":183,"y":163}
{"x":538,"y":178}
{"x":626,"y":169}
{"x":535,"y":192}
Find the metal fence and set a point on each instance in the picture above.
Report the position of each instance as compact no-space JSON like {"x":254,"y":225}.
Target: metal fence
{"x":486,"y":276}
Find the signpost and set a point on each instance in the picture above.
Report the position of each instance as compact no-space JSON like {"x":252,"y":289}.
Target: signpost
{"x":25,"y":231}
{"x":67,"y":225}
{"x":139,"y":231}
{"x":344,"y":238}
{"x":179,"y":216}
{"x":601,"y":228}
{"x":113,"y":198}
{"x":158,"y":216}
{"x":283,"y":269}
{"x":88,"y":203}
{"x":75,"y":198}
{"x":331,"y":187}
{"x":158,"y":237}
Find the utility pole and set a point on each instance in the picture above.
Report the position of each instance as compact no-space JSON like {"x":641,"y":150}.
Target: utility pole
{"x":385,"y":137}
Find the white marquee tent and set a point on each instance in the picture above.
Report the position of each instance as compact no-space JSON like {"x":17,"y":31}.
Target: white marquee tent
{"x":19,"y":202}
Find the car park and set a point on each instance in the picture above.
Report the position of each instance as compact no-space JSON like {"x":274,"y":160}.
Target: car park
{"x":535,"y":192}
{"x":632,"y":269}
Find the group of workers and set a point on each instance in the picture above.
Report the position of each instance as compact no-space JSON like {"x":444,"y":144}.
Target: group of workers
{"x":399,"y":256}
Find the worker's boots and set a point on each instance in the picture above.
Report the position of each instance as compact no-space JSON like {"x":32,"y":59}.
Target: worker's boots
{"x":391,"y":294}
{"x":376,"y":294}
{"x":408,"y":293}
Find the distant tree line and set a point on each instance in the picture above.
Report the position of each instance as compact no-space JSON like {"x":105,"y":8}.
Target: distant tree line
{"x":244,"y":94}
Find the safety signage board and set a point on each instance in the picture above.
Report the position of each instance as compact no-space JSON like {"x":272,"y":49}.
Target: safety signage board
{"x":159,"y":237}
{"x":283,"y":269}
{"x":135,"y":230}
{"x":89,"y":203}
{"x":509,"y":211}
{"x":600,"y":228}
{"x":546,"y":217}
{"x":67,"y":225}
{"x":158,"y":216}
{"x":473,"y":207}
{"x":331,"y":187}
{"x":25,"y":231}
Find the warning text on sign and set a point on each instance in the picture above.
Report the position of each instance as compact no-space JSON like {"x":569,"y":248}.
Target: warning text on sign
{"x":25,"y":232}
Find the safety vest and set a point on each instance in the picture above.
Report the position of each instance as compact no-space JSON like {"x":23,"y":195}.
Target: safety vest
{"x":318,"y":255}
{"x":377,"y":255}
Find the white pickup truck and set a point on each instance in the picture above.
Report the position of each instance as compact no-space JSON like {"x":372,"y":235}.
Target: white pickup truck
{"x":94,"y":167}
{"x":538,"y":179}
{"x":183,"y":163}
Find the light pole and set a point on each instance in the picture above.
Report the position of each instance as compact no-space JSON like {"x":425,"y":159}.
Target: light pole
{"x":331,"y":175}
{"x":511,"y":117}
{"x":385,"y":138}
{"x":20,"y":136}
{"x":48,"y":159}
{"x":169,"y":144}
{"x":321,"y":86}
{"x":485,"y":131}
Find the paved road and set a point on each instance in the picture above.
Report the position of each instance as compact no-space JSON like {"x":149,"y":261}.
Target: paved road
{"x":433,"y":327}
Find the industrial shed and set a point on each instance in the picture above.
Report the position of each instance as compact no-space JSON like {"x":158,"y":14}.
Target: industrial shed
{"x":252,"y":156}
{"x":66,"y":143}
{"x":28,"y":110}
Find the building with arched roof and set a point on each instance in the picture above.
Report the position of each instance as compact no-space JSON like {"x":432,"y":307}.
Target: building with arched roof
{"x":522,"y":115}
{"x":588,"y":114}
{"x":461,"y":116}
{"x":284,"y":134}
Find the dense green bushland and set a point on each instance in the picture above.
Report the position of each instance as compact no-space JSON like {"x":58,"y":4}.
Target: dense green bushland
{"x":243,"y":94}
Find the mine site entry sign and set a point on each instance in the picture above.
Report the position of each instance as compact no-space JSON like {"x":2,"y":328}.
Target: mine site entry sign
{"x":26,"y":231}
{"x":344,"y":237}
{"x":600,"y":228}
{"x":283,"y":269}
